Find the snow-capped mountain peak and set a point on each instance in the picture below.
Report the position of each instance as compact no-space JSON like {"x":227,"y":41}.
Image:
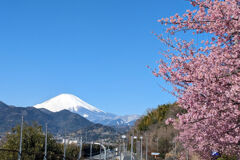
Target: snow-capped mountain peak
{"x":66,"y":101}
{"x":76,"y":105}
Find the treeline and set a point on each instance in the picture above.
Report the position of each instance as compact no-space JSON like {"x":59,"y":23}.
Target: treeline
{"x":158,"y":116}
{"x":161,"y":137}
{"x":33,"y":144}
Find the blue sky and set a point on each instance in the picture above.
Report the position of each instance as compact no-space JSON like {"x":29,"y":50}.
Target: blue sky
{"x":95,"y":49}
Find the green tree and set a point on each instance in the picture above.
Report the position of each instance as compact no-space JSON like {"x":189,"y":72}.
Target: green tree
{"x":32,"y":146}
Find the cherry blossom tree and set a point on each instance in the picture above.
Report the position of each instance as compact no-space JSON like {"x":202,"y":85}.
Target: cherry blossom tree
{"x":205,"y":77}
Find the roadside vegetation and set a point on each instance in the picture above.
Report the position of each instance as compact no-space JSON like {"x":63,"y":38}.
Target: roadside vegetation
{"x":34,"y":143}
{"x":161,"y":137}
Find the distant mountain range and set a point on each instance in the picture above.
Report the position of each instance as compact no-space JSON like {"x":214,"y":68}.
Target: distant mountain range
{"x":68,"y":114}
{"x":76,"y":105}
{"x":57,"y":122}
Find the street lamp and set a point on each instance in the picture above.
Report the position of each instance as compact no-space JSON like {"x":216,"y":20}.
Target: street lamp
{"x":132,"y":138}
{"x":141,"y":146}
{"x":146,"y":148}
{"x":135,"y":137}
{"x":131,"y":147}
{"x":45,"y":152}
{"x":124,"y":137}
{"x":65,"y":147}
{"x":80,"y":151}
{"x":20,"y":144}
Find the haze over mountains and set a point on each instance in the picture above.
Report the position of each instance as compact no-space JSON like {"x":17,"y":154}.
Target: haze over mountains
{"x":76,"y":105}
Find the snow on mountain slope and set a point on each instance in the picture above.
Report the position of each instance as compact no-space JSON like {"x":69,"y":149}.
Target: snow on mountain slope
{"x":66,"y":101}
{"x":76,"y":105}
{"x":129,"y":118}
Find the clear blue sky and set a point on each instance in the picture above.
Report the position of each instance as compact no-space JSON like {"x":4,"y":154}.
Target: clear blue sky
{"x":95,"y":49}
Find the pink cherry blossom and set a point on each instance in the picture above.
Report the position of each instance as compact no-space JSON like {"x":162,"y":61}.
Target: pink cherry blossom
{"x":206,"y":77}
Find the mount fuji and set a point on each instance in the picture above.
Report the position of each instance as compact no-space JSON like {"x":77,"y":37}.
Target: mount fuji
{"x":76,"y":105}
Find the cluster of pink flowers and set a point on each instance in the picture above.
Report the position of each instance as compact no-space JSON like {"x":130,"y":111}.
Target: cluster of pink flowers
{"x":206,"y":79}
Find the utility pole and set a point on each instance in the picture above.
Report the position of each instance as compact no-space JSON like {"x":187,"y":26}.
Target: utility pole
{"x":175,"y":148}
{"x":131,"y":147}
{"x":120,"y":150}
{"x":107,"y":143}
{"x":123,"y":147}
{"x":176,"y":145}
{"x":105,"y":152}
{"x":91,"y":150}
{"x":120,"y":155}
{"x":187,"y":155}
{"x":20,"y":145}
{"x":45,"y":153}
{"x":64,"y":154}
{"x":80,"y":151}
{"x":141,"y":146}
{"x":100,"y":153}
{"x":146,"y":147}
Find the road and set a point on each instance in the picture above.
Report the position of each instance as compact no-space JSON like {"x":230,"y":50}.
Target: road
{"x":111,"y":155}
{"x":127,"y":156}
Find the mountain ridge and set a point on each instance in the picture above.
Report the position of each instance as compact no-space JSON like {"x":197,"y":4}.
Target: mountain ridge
{"x":57,"y":122}
{"x":60,"y":123}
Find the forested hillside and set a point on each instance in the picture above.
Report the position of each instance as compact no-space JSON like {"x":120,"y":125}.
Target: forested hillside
{"x":160,"y":136}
